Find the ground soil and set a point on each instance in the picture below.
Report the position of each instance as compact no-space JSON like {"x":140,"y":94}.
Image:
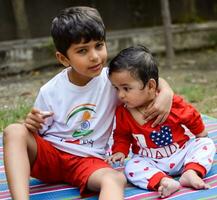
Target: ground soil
{"x":189,"y":69}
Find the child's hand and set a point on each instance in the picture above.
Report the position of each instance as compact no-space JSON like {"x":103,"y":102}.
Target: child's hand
{"x":119,"y":156}
{"x":204,"y":133}
{"x":35,"y":119}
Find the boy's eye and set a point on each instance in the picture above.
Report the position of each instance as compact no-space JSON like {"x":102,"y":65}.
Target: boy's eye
{"x":99,"y":45}
{"x":82,"y":51}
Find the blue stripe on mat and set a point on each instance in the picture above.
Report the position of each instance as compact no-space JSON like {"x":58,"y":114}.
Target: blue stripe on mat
{"x":40,"y":191}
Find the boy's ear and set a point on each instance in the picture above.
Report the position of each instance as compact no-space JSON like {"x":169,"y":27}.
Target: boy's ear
{"x":62,"y":59}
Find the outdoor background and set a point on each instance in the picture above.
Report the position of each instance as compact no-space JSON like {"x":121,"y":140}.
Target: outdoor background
{"x":193,"y":73}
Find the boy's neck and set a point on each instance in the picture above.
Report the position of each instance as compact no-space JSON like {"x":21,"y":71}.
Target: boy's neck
{"x":77,"y":79}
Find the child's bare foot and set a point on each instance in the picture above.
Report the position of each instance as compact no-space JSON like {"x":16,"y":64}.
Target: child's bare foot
{"x":167,"y":187}
{"x":190,"y":178}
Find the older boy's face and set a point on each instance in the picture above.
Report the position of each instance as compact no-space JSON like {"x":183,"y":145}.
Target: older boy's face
{"x":87,"y":60}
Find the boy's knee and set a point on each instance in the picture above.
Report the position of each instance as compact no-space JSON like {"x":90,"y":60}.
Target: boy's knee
{"x":114,"y":177}
{"x":14,"y":131}
{"x":122,"y":178}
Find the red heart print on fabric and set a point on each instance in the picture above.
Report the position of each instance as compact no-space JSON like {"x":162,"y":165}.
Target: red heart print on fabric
{"x":172,"y":165}
{"x":205,"y":148}
{"x":131,"y":174}
{"x":146,"y":168}
{"x":136,"y":161}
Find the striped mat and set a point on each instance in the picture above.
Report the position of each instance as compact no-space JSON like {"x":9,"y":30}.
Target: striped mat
{"x":41,"y":191}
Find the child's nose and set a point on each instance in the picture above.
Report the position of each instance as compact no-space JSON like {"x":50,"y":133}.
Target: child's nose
{"x":94,"y":56}
{"x":121,"y":95}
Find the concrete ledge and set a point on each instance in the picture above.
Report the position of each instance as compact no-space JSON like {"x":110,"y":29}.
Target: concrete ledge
{"x":26,"y":55}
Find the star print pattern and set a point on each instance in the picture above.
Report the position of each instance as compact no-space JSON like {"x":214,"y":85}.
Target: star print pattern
{"x":163,"y":137}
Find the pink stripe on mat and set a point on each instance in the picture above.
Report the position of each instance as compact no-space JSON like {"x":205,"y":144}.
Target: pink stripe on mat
{"x":212,"y":181}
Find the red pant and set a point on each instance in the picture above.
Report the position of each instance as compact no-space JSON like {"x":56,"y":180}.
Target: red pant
{"x":55,"y":166}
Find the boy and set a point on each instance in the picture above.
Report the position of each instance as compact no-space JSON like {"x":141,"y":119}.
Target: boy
{"x":74,"y":113}
{"x":162,"y":151}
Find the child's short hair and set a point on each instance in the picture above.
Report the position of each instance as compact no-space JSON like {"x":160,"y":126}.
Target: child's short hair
{"x":74,"y":25}
{"x":138,"y":61}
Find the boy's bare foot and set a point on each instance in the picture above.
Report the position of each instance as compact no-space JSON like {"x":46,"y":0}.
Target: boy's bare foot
{"x":190,"y":178}
{"x":167,"y":187}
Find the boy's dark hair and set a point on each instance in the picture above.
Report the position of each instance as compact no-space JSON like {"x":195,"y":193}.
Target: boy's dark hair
{"x":138,"y":61}
{"x":74,"y":25}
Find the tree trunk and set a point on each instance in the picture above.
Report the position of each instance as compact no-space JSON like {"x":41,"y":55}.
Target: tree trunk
{"x":22,"y":26}
{"x":167,"y":32}
{"x":190,"y":10}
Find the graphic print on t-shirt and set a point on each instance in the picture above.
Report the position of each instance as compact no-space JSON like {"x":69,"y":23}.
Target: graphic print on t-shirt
{"x":162,"y":143}
{"x":162,"y":137}
{"x":85,"y":112}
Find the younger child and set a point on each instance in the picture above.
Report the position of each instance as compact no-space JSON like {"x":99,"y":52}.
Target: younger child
{"x":165,"y":150}
{"x":71,"y":144}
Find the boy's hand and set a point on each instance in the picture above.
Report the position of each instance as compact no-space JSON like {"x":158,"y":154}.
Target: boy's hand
{"x":119,"y":156}
{"x":35,"y":119}
{"x":160,"y":109}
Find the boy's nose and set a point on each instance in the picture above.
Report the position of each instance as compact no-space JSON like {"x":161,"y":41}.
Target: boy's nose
{"x":94,"y":56}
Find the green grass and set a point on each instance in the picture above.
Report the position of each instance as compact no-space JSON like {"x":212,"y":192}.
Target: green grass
{"x":205,"y":100}
{"x":12,"y":115}
{"x":202,"y":97}
{"x":192,"y":93}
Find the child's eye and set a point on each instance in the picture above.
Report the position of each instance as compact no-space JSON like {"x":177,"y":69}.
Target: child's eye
{"x":126,"y":89}
{"x":99,"y":45}
{"x":116,"y":88}
{"x":82,"y":51}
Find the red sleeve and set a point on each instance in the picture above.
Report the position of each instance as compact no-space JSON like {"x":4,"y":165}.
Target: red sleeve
{"x":189,"y":116}
{"x":122,"y":135}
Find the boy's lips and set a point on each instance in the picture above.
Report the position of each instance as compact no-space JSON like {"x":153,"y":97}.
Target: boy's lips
{"x":95,"y":67}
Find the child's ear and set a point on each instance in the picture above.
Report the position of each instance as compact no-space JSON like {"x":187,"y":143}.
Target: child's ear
{"x":152,"y":85}
{"x":62,"y":59}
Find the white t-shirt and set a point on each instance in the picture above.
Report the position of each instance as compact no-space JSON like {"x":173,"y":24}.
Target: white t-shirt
{"x":83,"y":116}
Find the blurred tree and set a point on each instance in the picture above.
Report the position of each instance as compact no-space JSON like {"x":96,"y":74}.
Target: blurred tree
{"x":190,"y":11}
{"x":165,"y":11}
{"x":22,"y":25}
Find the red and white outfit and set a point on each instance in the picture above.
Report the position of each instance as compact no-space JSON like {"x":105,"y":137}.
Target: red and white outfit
{"x":165,"y":149}
{"x":73,"y":142}
{"x":83,"y":115}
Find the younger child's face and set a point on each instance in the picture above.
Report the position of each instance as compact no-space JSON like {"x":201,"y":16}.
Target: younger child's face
{"x":130,"y":90}
{"x":86,"y":59}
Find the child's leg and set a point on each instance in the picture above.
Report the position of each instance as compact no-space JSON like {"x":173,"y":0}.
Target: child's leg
{"x":20,"y":151}
{"x":198,"y":162}
{"x":190,"y":178}
{"x":143,"y":172}
{"x":167,"y":187}
{"x":109,"y":182}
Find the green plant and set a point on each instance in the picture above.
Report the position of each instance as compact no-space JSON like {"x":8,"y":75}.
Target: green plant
{"x":49,"y":45}
{"x":212,"y":38}
{"x":13,"y":115}
{"x":191,"y":93}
